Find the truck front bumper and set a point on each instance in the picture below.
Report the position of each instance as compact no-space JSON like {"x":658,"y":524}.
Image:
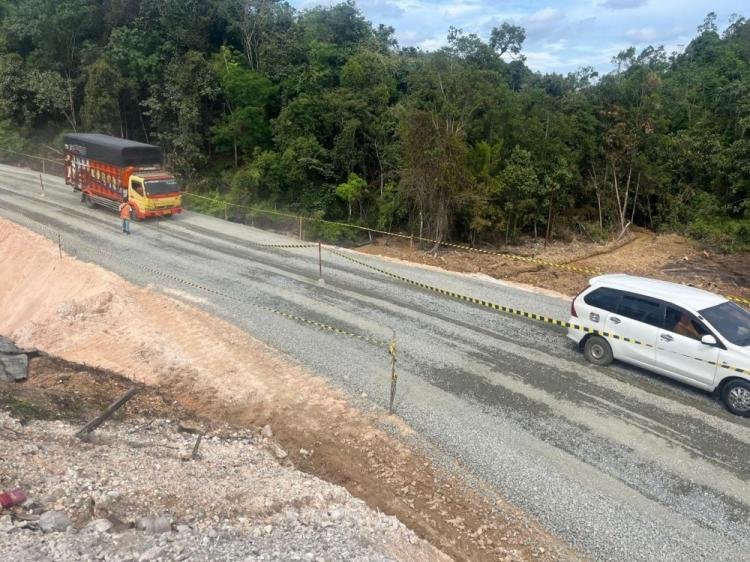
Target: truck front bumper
{"x":162,"y":212}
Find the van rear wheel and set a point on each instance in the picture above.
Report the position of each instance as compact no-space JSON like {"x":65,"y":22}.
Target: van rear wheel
{"x":597,"y":350}
{"x":736,"y":397}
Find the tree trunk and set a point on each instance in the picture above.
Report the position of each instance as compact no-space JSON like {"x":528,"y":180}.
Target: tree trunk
{"x":598,"y":193}
{"x":507,"y":232}
{"x":549,"y":219}
{"x":617,"y":195}
{"x":635,"y":197}
{"x":421,"y":222}
{"x":627,"y":191}
{"x":380,"y":167}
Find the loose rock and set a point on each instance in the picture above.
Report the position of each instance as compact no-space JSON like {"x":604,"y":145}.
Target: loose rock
{"x":154,"y":524}
{"x":54,"y":522}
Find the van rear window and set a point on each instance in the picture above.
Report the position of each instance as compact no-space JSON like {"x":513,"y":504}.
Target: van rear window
{"x":604,"y":298}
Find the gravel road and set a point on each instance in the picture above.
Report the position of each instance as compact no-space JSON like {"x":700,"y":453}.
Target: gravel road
{"x":620,"y":463}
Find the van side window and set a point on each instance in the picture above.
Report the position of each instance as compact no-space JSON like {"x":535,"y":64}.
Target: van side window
{"x":643,"y":310}
{"x":604,"y":298}
{"x":684,"y":324}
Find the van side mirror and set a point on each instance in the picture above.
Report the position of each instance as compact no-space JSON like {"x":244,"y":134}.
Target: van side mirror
{"x":708,"y":339}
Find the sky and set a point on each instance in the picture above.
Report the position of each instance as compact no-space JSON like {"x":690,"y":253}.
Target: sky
{"x":561,"y":36}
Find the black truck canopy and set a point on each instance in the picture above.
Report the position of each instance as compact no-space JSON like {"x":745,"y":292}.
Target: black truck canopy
{"x":113,"y":150}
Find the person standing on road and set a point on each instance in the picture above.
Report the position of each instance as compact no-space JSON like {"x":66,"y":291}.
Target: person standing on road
{"x":125,"y":210}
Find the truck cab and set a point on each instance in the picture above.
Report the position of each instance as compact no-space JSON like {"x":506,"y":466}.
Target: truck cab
{"x":153,"y":194}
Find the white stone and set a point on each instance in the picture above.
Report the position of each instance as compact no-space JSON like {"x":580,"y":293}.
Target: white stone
{"x":54,"y":521}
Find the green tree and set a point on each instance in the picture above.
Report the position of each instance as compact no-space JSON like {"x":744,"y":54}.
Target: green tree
{"x":101,"y":102}
{"x":351,"y":190}
{"x":247,"y":97}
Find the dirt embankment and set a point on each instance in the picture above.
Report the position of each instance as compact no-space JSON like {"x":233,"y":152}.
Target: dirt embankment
{"x":668,"y":256}
{"x":86,"y":315}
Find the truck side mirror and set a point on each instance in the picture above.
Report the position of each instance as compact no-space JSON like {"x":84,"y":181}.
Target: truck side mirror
{"x":708,"y":339}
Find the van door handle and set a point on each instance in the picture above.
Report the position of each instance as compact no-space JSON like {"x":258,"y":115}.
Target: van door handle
{"x":615,"y":319}
{"x":666,"y":337}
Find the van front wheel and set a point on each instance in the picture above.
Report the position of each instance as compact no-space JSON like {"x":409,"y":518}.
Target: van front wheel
{"x":597,"y":350}
{"x":736,"y":397}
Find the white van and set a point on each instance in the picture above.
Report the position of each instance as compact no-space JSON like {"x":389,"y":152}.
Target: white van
{"x":675,"y":330}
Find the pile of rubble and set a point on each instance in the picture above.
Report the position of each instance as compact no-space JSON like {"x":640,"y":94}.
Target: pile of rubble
{"x":139,"y":491}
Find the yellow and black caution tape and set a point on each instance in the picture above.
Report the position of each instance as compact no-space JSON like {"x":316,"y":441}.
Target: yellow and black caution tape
{"x":529,"y":315}
{"x":260,"y":245}
{"x":737,"y":299}
{"x":514,"y":257}
{"x":287,"y":315}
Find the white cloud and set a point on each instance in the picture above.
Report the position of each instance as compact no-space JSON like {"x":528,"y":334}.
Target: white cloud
{"x":623,"y":4}
{"x":544,"y":16}
{"x":431,"y":44}
{"x":642,"y":34}
{"x":460,"y":9}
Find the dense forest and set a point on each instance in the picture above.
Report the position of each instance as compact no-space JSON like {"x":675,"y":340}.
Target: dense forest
{"x":321,"y":112}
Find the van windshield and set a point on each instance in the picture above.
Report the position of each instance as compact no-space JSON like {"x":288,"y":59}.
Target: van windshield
{"x":162,"y":187}
{"x":732,"y":322}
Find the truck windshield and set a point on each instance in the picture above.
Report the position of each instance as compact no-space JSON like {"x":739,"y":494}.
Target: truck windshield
{"x":161,"y":187}
{"x":732,"y":321}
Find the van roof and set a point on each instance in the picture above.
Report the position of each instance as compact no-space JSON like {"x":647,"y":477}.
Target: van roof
{"x":683,"y":295}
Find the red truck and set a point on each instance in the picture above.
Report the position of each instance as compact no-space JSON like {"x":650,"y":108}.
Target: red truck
{"x":109,"y":170}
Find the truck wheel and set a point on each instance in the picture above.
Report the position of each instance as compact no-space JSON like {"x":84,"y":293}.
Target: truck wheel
{"x":736,"y":397}
{"x":597,"y":350}
{"x":89,"y":201}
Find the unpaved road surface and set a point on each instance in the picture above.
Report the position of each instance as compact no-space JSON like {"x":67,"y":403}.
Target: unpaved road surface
{"x":620,"y":463}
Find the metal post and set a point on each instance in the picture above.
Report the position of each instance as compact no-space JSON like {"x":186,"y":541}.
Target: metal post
{"x":300,"y":228}
{"x":394,"y":376}
{"x":320,"y":261}
{"x":59,"y":244}
{"x":225,"y":211}
{"x":41,"y":182}
{"x":44,"y":169}
{"x":411,"y":243}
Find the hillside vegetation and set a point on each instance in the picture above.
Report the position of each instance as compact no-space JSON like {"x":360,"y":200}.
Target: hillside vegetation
{"x":321,"y":112}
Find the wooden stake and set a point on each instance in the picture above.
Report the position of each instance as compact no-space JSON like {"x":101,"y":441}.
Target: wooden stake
{"x":300,"y":228}
{"x":106,"y":414}
{"x":194,"y":454}
{"x":41,"y":182}
{"x":394,"y":376}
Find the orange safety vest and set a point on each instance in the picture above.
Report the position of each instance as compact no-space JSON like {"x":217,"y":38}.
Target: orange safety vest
{"x":125,"y":209}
